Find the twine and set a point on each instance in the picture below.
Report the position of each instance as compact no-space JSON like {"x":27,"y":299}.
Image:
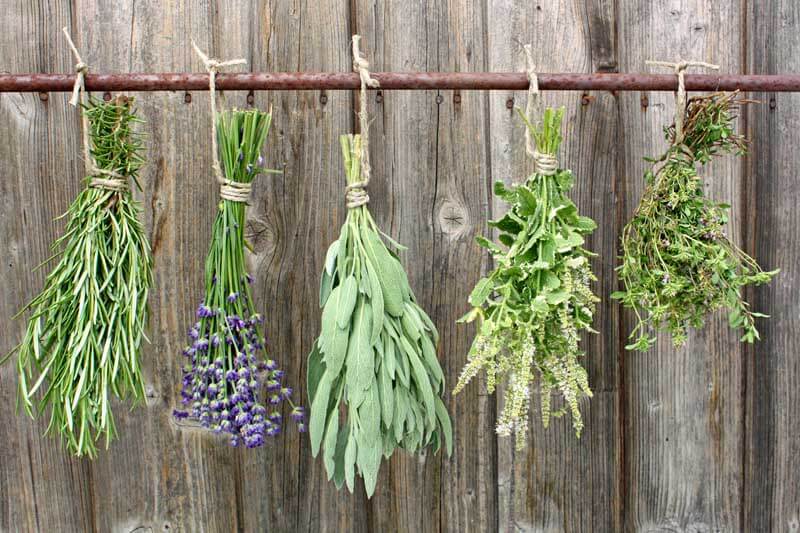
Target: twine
{"x":233,"y":191}
{"x":100,"y":178}
{"x":543,"y":164}
{"x":680,"y":96}
{"x":355,"y":193}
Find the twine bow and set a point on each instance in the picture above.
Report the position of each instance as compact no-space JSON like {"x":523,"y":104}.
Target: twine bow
{"x":680,"y":96}
{"x":543,"y":164}
{"x":99,"y":178}
{"x":233,"y":191}
{"x":355,"y":193}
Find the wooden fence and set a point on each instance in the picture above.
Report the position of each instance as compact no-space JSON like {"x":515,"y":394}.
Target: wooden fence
{"x":697,"y":439}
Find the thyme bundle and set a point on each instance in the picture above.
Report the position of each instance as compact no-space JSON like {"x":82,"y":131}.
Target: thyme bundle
{"x":533,"y":305}
{"x":677,"y":264}
{"x":224,"y":372}
{"x":82,"y":342}
{"x":376,"y":353}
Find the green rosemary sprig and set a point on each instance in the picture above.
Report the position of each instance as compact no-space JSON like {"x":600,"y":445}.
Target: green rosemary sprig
{"x":82,"y":342}
{"x":376,"y":354}
{"x":533,"y":305}
{"x":677,"y":264}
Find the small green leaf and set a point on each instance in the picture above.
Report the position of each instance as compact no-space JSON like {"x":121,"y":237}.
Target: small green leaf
{"x":481,"y":291}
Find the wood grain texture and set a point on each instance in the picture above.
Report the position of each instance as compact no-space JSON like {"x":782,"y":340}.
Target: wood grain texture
{"x":772,"y":438}
{"x":683,"y":407}
{"x":561,"y":483}
{"x":697,"y":439}
{"x":429,"y":191}
{"x":39,"y":144}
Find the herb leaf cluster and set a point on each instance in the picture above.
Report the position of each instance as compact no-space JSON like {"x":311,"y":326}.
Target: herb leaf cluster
{"x":532,"y":307}
{"x":375,"y":358}
{"x":226,"y":378}
{"x":677,"y":264}
{"x":81,"y":346}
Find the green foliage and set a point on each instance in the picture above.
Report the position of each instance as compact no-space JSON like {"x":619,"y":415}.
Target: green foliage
{"x":537,"y":299}
{"x":677,"y":264}
{"x":86,"y":326}
{"x":376,"y":355}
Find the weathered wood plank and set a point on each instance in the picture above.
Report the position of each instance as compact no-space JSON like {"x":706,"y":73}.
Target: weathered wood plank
{"x":432,"y":198}
{"x":772,"y":460}
{"x":683,"y":407}
{"x":159,"y":474}
{"x":41,"y":487}
{"x":429,"y":191}
{"x":562,"y":483}
{"x":294,"y":217}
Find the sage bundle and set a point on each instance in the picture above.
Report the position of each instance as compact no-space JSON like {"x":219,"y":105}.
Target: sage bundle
{"x":677,"y":263}
{"x":81,"y":346}
{"x":225,"y":377}
{"x":376,"y":353}
{"x":532,"y":307}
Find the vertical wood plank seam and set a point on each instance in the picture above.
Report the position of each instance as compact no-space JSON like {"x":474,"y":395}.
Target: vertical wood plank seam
{"x":748,"y":216}
{"x":491,"y":406}
{"x":86,"y":466}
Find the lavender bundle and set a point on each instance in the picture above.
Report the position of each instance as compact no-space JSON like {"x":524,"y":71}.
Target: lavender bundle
{"x":225,"y":376}
{"x":86,"y":326}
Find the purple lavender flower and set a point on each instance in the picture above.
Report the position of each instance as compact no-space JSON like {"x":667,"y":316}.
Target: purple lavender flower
{"x":298,"y":414}
{"x":232,"y":297}
{"x":203,"y":311}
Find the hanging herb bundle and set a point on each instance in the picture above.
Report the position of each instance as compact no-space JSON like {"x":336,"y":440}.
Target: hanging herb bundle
{"x":533,"y":305}
{"x":86,"y":326}
{"x":677,"y":264}
{"x":376,"y":353}
{"x":224,"y":372}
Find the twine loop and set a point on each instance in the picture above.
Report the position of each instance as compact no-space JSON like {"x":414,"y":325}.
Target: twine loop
{"x":680,"y":67}
{"x":544,"y":164}
{"x":228,"y":189}
{"x":99,"y":178}
{"x":235,"y":191}
{"x":355,"y":193}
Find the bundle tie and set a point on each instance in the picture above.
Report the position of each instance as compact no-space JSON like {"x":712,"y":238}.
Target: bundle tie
{"x":543,"y":164}
{"x":100,"y":178}
{"x":233,"y":191}
{"x":680,"y":96}
{"x":355,"y":193}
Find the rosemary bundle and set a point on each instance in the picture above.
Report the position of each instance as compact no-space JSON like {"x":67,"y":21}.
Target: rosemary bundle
{"x":533,"y":305}
{"x":224,"y":371}
{"x":677,"y":264}
{"x":83,"y":336}
{"x":376,"y":354}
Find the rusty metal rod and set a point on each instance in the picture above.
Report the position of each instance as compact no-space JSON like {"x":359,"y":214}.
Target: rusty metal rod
{"x":185,"y":81}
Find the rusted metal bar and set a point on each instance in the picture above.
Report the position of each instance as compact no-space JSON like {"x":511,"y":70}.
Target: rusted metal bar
{"x":399,"y":80}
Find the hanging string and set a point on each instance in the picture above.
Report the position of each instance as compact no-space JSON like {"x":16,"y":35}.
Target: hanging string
{"x":99,"y":178}
{"x":543,"y":164}
{"x":680,"y":96}
{"x":355,"y":193}
{"x":233,"y":191}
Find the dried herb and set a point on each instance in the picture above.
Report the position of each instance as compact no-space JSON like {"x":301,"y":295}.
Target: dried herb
{"x":376,"y":354}
{"x":677,"y":264}
{"x":533,"y":305}
{"x":86,"y":326}
{"x":224,"y":373}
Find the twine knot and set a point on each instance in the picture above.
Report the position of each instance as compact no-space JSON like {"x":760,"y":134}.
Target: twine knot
{"x":228,"y":189}
{"x":680,"y":67}
{"x":234,"y":191}
{"x":356,"y":195}
{"x":544,"y":164}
